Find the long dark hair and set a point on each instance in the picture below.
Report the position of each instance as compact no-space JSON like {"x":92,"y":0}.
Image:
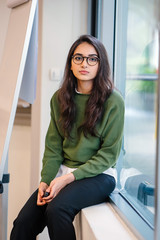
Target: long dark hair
{"x":102,"y":88}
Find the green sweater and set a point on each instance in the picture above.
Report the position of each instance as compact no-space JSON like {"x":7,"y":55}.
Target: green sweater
{"x":92,"y":155}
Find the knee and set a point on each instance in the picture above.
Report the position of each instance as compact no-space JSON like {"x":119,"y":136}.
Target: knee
{"x":58,"y":210}
{"x":54,"y":210}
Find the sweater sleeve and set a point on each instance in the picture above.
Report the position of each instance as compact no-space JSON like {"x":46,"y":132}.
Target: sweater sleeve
{"x":108,"y":153}
{"x":53,"y":154}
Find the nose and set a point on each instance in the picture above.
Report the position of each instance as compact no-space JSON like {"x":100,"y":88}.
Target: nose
{"x":84,"y":63}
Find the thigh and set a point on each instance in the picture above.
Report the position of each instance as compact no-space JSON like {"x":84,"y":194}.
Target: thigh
{"x":86,"y":192}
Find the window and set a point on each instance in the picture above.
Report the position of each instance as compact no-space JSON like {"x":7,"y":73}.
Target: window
{"x":138,"y":163}
{"x":135,"y":66}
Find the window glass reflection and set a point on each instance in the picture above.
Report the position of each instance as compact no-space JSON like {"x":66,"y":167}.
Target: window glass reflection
{"x":138,"y":171}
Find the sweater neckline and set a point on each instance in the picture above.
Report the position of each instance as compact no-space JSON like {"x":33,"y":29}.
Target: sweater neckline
{"x":81,"y":94}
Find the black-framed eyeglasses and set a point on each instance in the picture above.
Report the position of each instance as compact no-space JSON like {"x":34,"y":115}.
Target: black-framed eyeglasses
{"x":91,"y":60}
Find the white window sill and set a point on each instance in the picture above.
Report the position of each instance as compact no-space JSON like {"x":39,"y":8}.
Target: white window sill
{"x":99,"y":222}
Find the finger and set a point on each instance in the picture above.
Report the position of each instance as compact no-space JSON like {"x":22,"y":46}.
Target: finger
{"x":41,"y":192}
{"x":53,"y":195}
{"x":47,"y":198}
{"x":40,"y":201}
{"x":50,"y":189}
{"x":46,"y":194}
{"x":48,"y":201}
{"x":50,"y":197}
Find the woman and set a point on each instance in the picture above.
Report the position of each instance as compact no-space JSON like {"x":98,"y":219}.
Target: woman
{"x":82,"y":145}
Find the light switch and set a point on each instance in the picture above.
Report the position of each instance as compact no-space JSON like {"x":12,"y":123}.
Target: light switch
{"x":55,"y":74}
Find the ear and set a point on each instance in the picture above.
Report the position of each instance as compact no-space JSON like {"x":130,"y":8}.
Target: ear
{"x":71,"y":67}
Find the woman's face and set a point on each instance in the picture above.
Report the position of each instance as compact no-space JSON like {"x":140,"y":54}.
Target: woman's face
{"x":83,"y":71}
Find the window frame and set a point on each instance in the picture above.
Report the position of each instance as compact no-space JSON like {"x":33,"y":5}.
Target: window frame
{"x":157,"y":174}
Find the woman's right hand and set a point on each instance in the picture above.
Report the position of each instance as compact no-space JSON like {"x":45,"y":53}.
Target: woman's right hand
{"x":42,"y":188}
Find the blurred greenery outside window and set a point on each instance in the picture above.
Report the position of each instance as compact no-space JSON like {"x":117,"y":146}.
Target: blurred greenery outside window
{"x":138,"y":164}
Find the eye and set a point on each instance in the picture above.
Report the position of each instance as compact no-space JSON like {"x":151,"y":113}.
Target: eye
{"x":93,"y":59}
{"x":78,"y":58}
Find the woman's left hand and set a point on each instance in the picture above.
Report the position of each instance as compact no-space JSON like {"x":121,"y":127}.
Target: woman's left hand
{"x":57,"y":184}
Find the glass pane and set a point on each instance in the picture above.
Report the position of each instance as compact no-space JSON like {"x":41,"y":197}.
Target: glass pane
{"x":138,"y":171}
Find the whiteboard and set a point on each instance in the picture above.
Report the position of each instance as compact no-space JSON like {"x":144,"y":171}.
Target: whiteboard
{"x":29,"y":80}
{"x":11,"y":70}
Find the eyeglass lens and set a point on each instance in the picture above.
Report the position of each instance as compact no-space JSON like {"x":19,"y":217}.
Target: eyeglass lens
{"x":77,"y":59}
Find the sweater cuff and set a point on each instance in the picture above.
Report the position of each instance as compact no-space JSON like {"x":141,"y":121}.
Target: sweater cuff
{"x":77,"y":174}
{"x":81,"y":174}
{"x":46,"y":180}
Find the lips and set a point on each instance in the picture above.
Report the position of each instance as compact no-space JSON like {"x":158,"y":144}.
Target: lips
{"x":83,"y":72}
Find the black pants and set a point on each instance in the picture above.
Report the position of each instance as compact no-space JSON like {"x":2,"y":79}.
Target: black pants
{"x":59,"y":214}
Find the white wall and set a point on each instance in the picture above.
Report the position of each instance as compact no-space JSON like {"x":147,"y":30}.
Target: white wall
{"x":4,"y":19}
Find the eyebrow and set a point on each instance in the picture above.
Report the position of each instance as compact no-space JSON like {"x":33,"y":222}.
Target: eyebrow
{"x":90,"y":55}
